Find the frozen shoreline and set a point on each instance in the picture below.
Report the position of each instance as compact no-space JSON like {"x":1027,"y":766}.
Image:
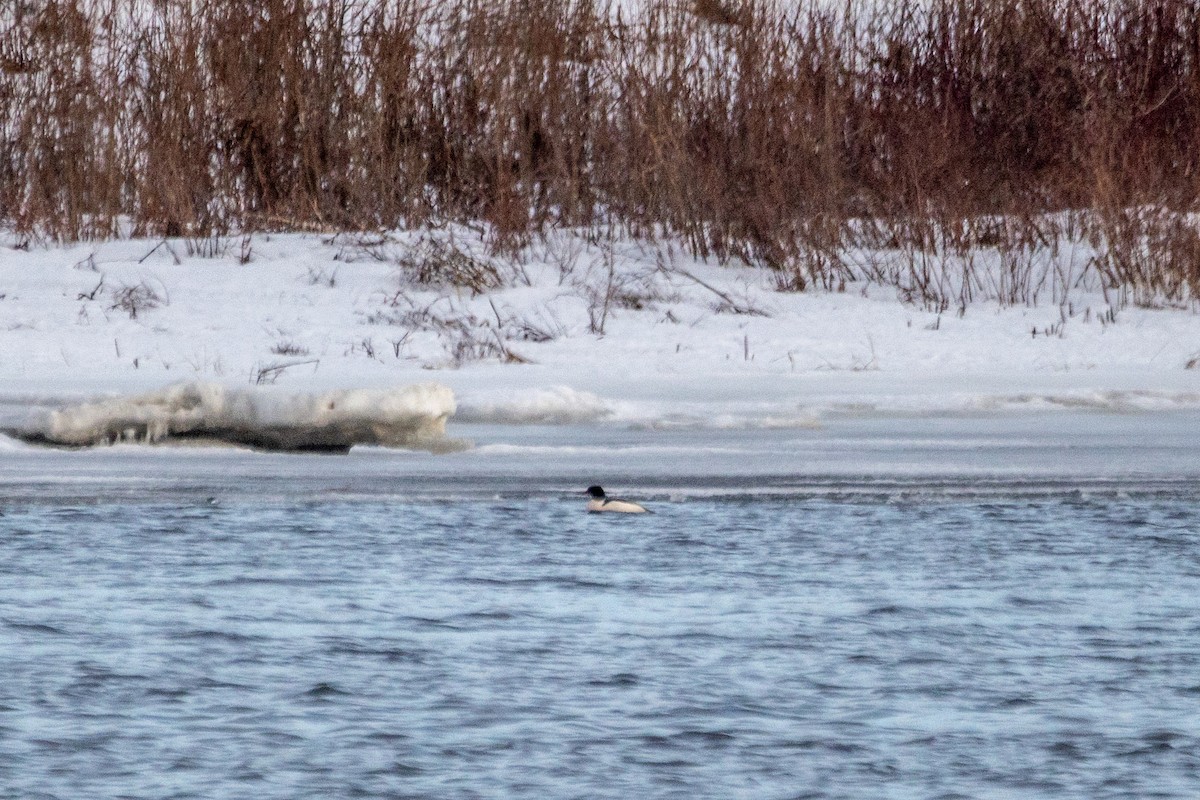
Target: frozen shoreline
{"x":1079,"y":457}
{"x":620,"y":338}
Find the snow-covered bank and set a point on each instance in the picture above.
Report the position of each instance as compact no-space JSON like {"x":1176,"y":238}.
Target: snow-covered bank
{"x":410,"y":417}
{"x":619,"y":333}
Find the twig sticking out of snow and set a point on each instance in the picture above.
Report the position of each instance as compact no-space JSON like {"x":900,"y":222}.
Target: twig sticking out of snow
{"x":730,"y":303}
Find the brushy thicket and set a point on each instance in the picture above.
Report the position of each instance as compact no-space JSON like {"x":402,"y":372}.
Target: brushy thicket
{"x":781,"y":133}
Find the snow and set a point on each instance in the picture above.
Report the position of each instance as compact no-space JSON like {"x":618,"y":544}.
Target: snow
{"x":413,"y":416}
{"x":262,"y":332}
{"x":555,"y":405}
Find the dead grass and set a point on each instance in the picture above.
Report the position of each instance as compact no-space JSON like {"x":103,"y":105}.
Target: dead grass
{"x":441,"y":262}
{"x":464,"y":336}
{"x":286,"y":347}
{"x":749,"y":129}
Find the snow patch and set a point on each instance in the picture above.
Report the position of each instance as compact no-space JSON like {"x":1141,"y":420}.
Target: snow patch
{"x":650,"y":346}
{"x":782,"y":421}
{"x":558,"y":405}
{"x":8,"y":445}
{"x":1103,"y":401}
{"x":411,"y":417}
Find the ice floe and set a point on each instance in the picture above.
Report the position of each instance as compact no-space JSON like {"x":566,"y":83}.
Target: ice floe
{"x":409,"y":417}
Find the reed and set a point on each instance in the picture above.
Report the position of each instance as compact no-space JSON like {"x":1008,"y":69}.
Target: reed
{"x":784,"y":133}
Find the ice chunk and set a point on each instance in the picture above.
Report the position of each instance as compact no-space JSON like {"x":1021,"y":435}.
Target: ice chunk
{"x":410,"y":416}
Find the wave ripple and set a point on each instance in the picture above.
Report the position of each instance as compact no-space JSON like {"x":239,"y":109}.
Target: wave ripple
{"x":946,"y":646}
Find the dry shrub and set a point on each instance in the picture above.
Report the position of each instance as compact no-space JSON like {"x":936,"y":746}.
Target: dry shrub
{"x":745,"y":128}
{"x":136,"y":298}
{"x":1153,"y":251}
{"x":464,"y":337}
{"x":441,"y":262}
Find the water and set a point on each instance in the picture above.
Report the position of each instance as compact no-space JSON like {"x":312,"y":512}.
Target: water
{"x":385,"y":625}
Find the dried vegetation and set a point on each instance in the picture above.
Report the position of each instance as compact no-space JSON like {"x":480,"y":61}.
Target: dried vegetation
{"x":835,"y":142}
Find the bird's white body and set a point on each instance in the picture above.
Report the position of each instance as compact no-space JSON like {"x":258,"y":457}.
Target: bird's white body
{"x":600,"y":502}
{"x":619,"y":506}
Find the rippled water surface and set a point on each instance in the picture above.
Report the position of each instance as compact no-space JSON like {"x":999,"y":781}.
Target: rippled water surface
{"x":917,"y":610}
{"x":798,"y":647}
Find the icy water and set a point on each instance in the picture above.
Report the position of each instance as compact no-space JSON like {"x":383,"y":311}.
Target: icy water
{"x":386,"y":625}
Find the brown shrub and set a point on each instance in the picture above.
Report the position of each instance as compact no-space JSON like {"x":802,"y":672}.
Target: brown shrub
{"x":743,"y":127}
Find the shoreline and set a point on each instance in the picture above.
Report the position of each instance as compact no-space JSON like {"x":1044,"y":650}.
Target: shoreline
{"x":629,"y":335}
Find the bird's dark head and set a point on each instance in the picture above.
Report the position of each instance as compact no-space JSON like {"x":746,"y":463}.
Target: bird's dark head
{"x":595,"y":491}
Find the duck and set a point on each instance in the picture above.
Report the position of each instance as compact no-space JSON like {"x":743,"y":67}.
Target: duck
{"x":601,"y":502}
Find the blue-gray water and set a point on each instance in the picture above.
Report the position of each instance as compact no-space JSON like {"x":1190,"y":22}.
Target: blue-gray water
{"x":864,"y":635}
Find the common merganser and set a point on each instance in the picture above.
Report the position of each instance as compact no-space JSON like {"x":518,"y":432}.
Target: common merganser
{"x":600,"y":502}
